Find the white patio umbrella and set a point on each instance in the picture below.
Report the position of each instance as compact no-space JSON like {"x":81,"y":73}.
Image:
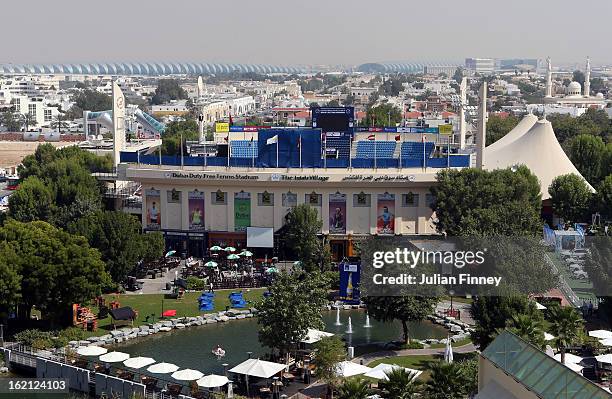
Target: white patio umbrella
{"x":604,"y":358}
{"x":91,"y":350}
{"x":349,"y":369}
{"x":212,"y":381}
{"x":548,"y":337}
{"x":114,"y":357}
{"x":601,"y":334}
{"x":574,"y":367}
{"x":539,"y":306}
{"x":380,"y":371}
{"x":313,"y":336}
{"x":549,"y":351}
{"x":448,"y":352}
{"x":162,"y":368}
{"x":258,"y":368}
{"x":606,"y":342}
{"x":569,"y":358}
{"x":187,"y":375}
{"x":138,"y":362}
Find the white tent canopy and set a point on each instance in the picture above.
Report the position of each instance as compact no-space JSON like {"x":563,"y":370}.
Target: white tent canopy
{"x":187,"y":375}
{"x":380,"y":371}
{"x":313,"y":336}
{"x":349,"y":369}
{"x":600,"y":334}
{"x":114,"y":357}
{"x":548,"y":337}
{"x":539,"y":150}
{"x":212,"y":381}
{"x":606,"y":342}
{"x":138,"y":362}
{"x":162,"y":368}
{"x":604,"y":358}
{"x":91,"y":350}
{"x":539,"y":306}
{"x":519,"y":130}
{"x":569,"y":358}
{"x":258,"y":368}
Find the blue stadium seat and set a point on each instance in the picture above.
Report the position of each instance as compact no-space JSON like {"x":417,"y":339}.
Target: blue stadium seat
{"x":341,"y":144}
{"x":378,"y":149}
{"x":414,"y":149}
{"x":244,"y":149}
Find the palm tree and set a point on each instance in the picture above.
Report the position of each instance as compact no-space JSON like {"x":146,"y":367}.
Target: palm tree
{"x":446,"y":382}
{"x":566,"y":327}
{"x":528,"y":328}
{"x":401,"y":384}
{"x":353,"y":389}
{"x":59,"y":122}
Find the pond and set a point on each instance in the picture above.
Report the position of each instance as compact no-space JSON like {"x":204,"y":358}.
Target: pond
{"x":191,"y":348}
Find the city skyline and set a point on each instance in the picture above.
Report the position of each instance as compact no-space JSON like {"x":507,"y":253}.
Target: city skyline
{"x":316,"y":32}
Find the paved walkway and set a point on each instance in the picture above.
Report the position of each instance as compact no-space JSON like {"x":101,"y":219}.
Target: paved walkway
{"x":464,"y":310}
{"x":370,"y":357}
{"x":156,"y":285}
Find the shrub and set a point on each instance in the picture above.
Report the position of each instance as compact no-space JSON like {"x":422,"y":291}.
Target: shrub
{"x":194,"y":283}
{"x":413,"y":345}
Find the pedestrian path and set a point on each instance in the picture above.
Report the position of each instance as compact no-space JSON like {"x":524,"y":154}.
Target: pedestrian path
{"x":370,"y":357}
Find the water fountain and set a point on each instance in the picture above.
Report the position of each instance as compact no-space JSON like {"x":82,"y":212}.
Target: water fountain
{"x":338,"y":317}
{"x":349,"y":329}
{"x":367,"y":324}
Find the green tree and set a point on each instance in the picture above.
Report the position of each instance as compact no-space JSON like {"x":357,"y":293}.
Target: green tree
{"x":302,"y":225}
{"x":570,"y":197}
{"x":33,"y":201}
{"x":57,"y":269}
{"x":59,"y":122}
{"x":492,"y":313}
{"x":401,"y":384}
{"x":175,"y":132}
{"x":578,"y":76}
{"x":587,"y":153}
{"x":383,"y":115}
{"x":354,"y":389}
{"x":598,"y":264}
{"x":10,"y":280}
{"x":458,"y":75}
{"x":293,"y":307}
{"x":89,"y":100}
{"x":566,"y":325}
{"x":117,"y":236}
{"x":10,"y":121}
{"x":446,"y":382}
{"x":167,"y":90}
{"x":329,"y":352}
{"x":498,"y":127}
{"x":402,"y":308}
{"x":483,"y":203}
{"x":604,"y":198}
{"x":527,"y":328}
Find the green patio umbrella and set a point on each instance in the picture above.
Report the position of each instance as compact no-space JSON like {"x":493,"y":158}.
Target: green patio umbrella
{"x":246,"y":253}
{"x":216,"y":248}
{"x":210,"y":264}
{"x":297,"y":263}
{"x":233,"y":257}
{"x":271,"y":270}
{"x":229,"y":249}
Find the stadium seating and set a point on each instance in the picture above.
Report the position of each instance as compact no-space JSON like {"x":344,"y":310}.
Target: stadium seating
{"x":375,"y":149}
{"x":244,"y":149}
{"x":341,"y":144}
{"x":414,"y":149}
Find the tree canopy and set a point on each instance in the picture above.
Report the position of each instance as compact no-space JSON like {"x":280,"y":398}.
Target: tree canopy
{"x":483,"y":203}
{"x":383,"y":115}
{"x":588,"y":154}
{"x":167,"y":90}
{"x":56,"y":269}
{"x":571,"y":197}
{"x":302,"y":225}
{"x":329,"y":352}
{"x":171,"y":141}
{"x":498,"y":127}
{"x":89,"y":100}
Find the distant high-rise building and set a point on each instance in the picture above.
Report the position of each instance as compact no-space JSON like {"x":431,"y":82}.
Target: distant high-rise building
{"x":480,"y":65}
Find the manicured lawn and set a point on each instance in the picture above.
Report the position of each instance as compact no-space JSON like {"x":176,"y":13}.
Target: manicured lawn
{"x":455,"y":344}
{"x":151,"y":305}
{"x":419,"y":362}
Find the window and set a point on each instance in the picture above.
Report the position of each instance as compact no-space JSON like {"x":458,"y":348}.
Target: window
{"x":313,"y":199}
{"x":430,"y":200}
{"x":32,"y":110}
{"x":410,"y":199}
{"x":265,"y":199}
{"x":219,"y":198}
{"x":174,"y":197}
{"x":289,"y":199}
{"x":17,"y":105}
{"x":361,"y":200}
{"x":47,"y":115}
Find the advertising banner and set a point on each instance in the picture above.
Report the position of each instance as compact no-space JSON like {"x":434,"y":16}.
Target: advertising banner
{"x":337,"y":213}
{"x":445,"y":129}
{"x":385,"y":214}
{"x":222,"y":127}
{"x":196,"y":210}
{"x":242,"y":211}
{"x":349,"y":280}
{"x":153,"y":217}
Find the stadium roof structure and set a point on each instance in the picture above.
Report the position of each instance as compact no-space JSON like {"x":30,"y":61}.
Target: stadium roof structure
{"x":404,"y":66}
{"x":539,"y":150}
{"x":144,"y":68}
{"x":537,"y":371}
{"x":519,"y":130}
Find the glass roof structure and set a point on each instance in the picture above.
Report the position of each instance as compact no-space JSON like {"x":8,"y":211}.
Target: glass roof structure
{"x":540,"y":373}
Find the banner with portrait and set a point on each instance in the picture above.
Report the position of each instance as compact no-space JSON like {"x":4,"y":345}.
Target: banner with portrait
{"x":196,"y":210}
{"x":385,"y":214}
{"x":337,"y":213}
{"x":242,"y":211}
{"x":153,"y":211}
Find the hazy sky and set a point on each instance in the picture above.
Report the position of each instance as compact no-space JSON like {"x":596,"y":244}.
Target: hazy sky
{"x":303,"y":32}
